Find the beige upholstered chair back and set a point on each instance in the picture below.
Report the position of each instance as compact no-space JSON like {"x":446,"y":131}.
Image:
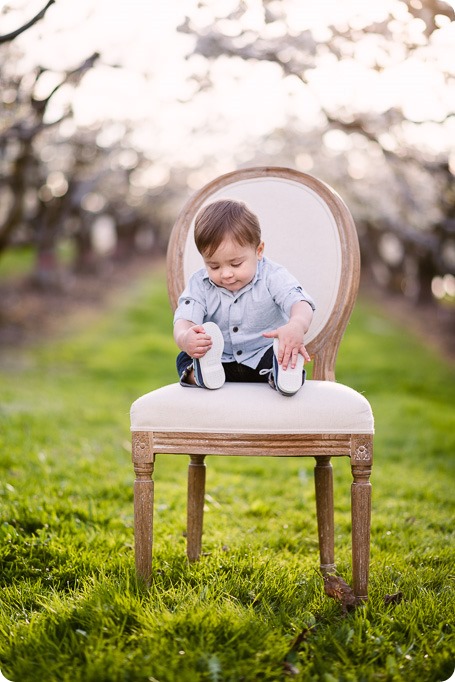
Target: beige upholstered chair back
{"x":306,"y":227}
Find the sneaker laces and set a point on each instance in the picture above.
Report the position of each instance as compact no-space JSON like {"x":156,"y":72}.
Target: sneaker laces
{"x":263,"y":372}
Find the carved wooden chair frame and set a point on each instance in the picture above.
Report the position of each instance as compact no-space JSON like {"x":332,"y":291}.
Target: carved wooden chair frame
{"x":147,"y":443}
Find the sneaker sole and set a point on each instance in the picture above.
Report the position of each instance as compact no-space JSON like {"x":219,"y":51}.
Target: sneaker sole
{"x":210,"y":364}
{"x":289,"y":380}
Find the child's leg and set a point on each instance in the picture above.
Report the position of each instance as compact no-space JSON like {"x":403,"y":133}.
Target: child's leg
{"x":238,"y":373}
{"x":185,"y":369}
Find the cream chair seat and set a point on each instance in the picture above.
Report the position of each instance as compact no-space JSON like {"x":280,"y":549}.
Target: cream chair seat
{"x":306,"y":227}
{"x":324,"y":407}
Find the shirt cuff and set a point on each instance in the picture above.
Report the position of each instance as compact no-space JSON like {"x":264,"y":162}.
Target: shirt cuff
{"x":295,"y":296}
{"x":191,"y":310}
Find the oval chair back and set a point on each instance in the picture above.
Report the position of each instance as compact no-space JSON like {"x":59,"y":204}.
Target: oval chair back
{"x":306,"y":227}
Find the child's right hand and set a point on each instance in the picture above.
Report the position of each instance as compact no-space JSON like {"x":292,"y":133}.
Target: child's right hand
{"x":196,"y":342}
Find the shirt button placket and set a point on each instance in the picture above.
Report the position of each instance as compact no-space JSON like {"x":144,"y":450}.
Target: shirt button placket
{"x":235,"y":321}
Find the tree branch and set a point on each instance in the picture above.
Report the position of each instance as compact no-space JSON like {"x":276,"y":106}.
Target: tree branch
{"x":73,"y":76}
{"x":11,"y":36}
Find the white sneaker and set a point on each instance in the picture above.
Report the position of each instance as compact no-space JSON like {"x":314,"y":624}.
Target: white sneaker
{"x":290,"y":380}
{"x":208,"y":370}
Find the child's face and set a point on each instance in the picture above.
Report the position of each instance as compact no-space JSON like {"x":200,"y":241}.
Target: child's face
{"x":233,"y":266}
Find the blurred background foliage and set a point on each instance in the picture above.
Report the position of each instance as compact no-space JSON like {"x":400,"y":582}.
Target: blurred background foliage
{"x":81,"y":196}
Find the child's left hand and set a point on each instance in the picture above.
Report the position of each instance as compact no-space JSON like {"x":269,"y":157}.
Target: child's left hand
{"x":290,"y":338}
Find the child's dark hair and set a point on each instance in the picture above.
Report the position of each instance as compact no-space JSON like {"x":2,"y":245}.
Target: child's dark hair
{"x":225,"y":218}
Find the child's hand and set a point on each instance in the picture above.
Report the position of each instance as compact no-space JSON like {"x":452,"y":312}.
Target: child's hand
{"x":195,"y":341}
{"x":290,"y":338}
{"x":290,"y":335}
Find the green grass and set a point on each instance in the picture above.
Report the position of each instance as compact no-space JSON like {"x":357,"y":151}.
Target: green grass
{"x":71,"y":609}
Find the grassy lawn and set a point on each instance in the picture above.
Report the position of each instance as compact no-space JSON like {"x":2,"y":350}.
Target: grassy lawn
{"x":254,"y":607}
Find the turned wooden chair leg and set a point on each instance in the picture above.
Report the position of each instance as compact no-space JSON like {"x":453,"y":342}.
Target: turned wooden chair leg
{"x":361,"y":462}
{"x":143,"y":462}
{"x":323,"y":480}
{"x":195,"y":510}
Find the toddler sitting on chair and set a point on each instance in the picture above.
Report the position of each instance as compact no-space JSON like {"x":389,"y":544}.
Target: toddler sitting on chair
{"x":242,"y":317}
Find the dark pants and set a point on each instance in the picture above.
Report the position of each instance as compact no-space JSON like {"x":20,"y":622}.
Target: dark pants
{"x":233,"y":370}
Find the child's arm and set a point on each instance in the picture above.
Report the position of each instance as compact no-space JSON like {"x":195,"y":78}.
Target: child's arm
{"x":191,"y":338}
{"x":291,"y":335}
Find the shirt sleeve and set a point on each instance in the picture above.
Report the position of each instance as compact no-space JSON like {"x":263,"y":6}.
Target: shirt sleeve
{"x":286,"y":290}
{"x":192,"y":304}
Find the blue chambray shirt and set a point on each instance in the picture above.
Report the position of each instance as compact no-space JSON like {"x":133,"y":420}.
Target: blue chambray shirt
{"x":262,"y":305}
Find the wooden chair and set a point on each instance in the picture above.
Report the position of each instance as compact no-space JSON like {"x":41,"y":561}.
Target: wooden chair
{"x":307,"y":228}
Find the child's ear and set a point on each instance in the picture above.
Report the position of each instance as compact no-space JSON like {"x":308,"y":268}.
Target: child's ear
{"x":260,"y":251}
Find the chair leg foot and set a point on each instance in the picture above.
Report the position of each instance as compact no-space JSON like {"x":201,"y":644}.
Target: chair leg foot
{"x":327,"y":569}
{"x":195,"y":510}
{"x":361,"y":598}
